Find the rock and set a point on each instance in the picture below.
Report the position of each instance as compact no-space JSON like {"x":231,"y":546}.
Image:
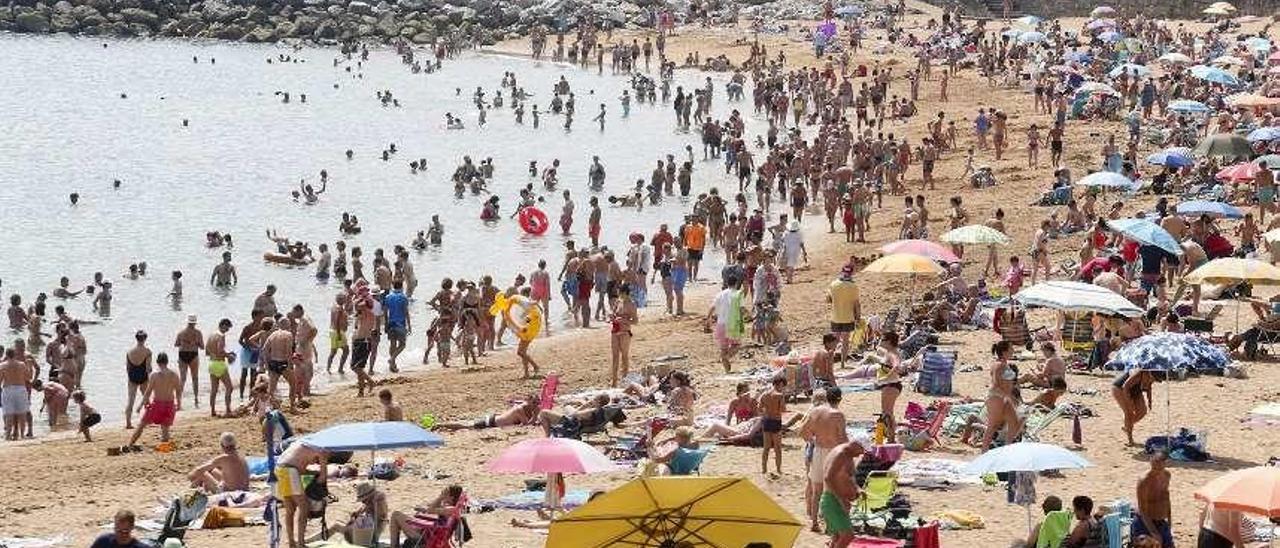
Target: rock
{"x":6,"y":14}
{"x":220,"y":11}
{"x":363,"y":8}
{"x":365,"y":30}
{"x":335,"y":11}
{"x":255,"y":15}
{"x":326,"y":30}
{"x":285,"y":30}
{"x":81,"y":12}
{"x":139,"y":29}
{"x":228,"y":32}
{"x":31,"y":22}
{"x":64,"y":22}
{"x":388,"y":25}
{"x":305,"y":25}
{"x":139,"y":16}
{"x":260,"y":34}
{"x":63,"y":6}
{"x":91,"y":22}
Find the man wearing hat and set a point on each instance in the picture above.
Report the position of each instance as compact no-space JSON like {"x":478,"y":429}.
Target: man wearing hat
{"x":846,"y":310}
{"x":368,"y":520}
{"x":189,"y":342}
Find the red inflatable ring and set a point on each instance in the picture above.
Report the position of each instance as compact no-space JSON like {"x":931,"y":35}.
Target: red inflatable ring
{"x":533,"y":221}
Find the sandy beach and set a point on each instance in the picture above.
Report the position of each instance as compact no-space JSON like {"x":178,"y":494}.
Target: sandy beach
{"x":62,"y":486}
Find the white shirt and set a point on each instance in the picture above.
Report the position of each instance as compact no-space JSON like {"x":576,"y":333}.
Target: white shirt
{"x":723,"y":305}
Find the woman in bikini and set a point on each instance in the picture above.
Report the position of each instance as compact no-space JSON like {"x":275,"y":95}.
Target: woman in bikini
{"x":743,"y":406}
{"x":889,"y":380}
{"x":1001,"y":406}
{"x":620,"y":341}
{"x":1132,"y":392}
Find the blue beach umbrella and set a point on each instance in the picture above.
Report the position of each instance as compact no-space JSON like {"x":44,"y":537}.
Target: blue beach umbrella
{"x":1146,"y":232}
{"x":1272,"y":161}
{"x":1215,"y":75}
{"x":1011,"y":33}
{"x":1258,"y":43}
{"x":1110,"y":36}
{"x":1168,"y":352}
{"x":1029,"y":20}
{"x":372,"y":436}
{"x":1032,"y":37}
{"x":1264,"y":134}
{"x":850,"y":10}
{"x":1078,"y":56}
{"x":1187,"y":106}
{"x":1210,"y":208}
{"x":1172,"y":157}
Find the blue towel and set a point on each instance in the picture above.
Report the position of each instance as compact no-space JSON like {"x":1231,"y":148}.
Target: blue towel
{"x":530,"y":500}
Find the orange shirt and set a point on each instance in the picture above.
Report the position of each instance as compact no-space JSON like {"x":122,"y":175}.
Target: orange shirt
{"x":695,"y":236}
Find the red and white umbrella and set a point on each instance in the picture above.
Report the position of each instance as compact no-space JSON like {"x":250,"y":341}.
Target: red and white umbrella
{"x":1239,"y":173}
{"x":923,"y":248}
{"x":551,"y":456}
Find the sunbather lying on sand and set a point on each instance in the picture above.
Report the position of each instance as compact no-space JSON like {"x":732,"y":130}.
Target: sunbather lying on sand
{"x":520,"y":414}
{"x":593,"y":416}
{"x":749,"y":432}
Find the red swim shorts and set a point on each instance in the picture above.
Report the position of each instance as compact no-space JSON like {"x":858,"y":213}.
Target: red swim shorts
{"x":160,"y":412}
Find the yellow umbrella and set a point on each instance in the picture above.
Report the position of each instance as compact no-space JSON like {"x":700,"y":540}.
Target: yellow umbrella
{"x":677,"y":511}
{"x":1231,"y":270}
{"x":904,"y":263}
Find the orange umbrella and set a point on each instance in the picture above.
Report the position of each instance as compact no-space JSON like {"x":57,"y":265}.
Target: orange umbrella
{"x":1252,"y":491}
{"x":1239,"y":173}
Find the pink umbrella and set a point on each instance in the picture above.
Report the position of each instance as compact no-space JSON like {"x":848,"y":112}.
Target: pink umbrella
{"x":551,"y":456}
{"x":1239,"y":173}
{"x":923,"y":248}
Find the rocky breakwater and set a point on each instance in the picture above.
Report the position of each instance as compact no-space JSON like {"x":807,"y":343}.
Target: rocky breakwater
{"x":418,"y":21}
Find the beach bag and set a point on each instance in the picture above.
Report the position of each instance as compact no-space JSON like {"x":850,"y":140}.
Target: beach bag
{"x":936,"y":372}
{"x":219,"y":517}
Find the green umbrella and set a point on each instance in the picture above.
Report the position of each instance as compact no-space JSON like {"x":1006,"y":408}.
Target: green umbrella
{"x":1224,"y":145}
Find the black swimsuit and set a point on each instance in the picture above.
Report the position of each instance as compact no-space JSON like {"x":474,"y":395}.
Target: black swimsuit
{"x":137,"y":373}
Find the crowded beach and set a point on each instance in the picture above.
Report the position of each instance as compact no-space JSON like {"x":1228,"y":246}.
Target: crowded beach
{"x":1074,"y":349}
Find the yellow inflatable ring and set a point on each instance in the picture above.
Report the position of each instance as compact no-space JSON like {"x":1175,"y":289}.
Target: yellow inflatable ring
{"x":521,"y":315}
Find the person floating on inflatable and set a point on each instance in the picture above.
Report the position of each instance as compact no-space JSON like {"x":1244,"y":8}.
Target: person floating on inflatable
{"x":533,"y":220}
{"x":523,"y":316}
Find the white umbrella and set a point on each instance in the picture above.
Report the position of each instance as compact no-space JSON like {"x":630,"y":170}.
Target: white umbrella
{"x":1105,"y":179}
{"x":1025,"y":457}
{"x":1227,"y":60}
{"x":1077,"y":297}
{"x":1031,"y":37}
{"x":1176,"y":58}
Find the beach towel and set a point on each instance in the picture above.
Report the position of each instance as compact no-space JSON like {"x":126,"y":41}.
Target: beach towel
{"x":733,"y":324}
{"x":959,"y":520}
{"x":934,"y":473}
{"x":532,"y":500}
{"x":32,"y":542}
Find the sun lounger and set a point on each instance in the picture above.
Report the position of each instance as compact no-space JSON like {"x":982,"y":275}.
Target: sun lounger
{"x":922,"y":438}
{"x":182,"y":511}
{"x":1038,"y":419}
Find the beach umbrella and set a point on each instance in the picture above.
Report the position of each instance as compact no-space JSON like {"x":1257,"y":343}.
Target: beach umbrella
{"x":372,"y":436}
{"x":1068,"y":296}
{"x":1274,"y":70}
{"x":1102,"y":11}
{"x":1146,"y":232}
{"x":1212,"y":10}
{"x":1235,"y":270}
{"x":1187,"y":106}
{"x":1166,"y":351}
{"x":1172,"y":157}
{"x":1227,"y":60}
{"x":1224,"y":5}
{"x":923,"y":248}
{"x":1011,"y":33}
{"x":1239,"y":173}
{"x":1224,"y":145}
{"x":903,"y":263}
{"x":1130,"y":69}
{"x":1215,"y":75}
{"x":1253,"y":490}
{"x":551,"y":456}
{"x":1032,"y":37}
{"x":1110,"y":36}
{"x":850,"y":10}
{"x":1078,"y":56}
{"x":1097,"y":87}
{"x":975,"y":235}
{"x":1176,"y":58}
{"x":1101,"y":24}
{"x":1272,"y":161}
{"x":1258,"y":43}
{"x":1274,"y":57}
{"x":1210,"y":208}
{"x":1025,"y":457}
{"x":657,"y":512}
{"x":1105,"y":179}
{"x":1270,"y":133}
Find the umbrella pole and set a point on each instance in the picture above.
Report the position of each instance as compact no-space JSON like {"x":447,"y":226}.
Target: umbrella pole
{"x":373,"y":459}
{"x":1030,"y":541}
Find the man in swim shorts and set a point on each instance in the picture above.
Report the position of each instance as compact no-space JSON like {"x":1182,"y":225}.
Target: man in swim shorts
{"x":289,"y":489}
{"x":159,"y":400}
{"x":520,"y":414}
{"x":338,"y":322}
{"x":823,"y":430}
{"x":839,"y":493}
{"x":277,"y":349}
{"x":15,"y":395}
{"x":189,"y":342}
{"x":219,"y":374}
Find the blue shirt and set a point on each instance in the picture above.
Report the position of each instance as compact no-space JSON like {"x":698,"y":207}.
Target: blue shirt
{"x":396,"y":305}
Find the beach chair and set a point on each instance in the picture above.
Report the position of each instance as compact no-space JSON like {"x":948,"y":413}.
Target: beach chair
{"x":1077,"y":333}
{"x":1038,"y":419}
{"x":182,"y":511}
{"x":318,"y":500}
{"x":687,"y":462}
{"x":1054,"y":529}
{"x":879,"y":488}
{"x":1115,"y":530}
{"x":1014,"y":330}
{"x":449,"y":532}
{"x":921,"y":439}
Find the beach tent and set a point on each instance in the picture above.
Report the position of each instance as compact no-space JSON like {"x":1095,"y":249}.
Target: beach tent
{"x":1068,"y":296}
{"x":670,"y":511}
{"x":372,"y":437}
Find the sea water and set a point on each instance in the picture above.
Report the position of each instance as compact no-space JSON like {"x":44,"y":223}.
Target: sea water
{"x":78,"y":115}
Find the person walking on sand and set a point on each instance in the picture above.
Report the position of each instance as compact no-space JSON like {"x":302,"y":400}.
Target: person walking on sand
{"x":620,"y":336}
{"x":189,"y":342}
{"x":277,"y":349}
{"x":137,"y":367}
{"x":727,"y":313}
{"x":823,"y":430}
{"x":219,"y":374}
{"x":1154,"y":513}
{"x":522,"y":349}
{"x":159,"y":400}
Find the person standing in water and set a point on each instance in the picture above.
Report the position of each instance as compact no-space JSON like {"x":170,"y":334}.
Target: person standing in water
{"x":189,"y":342}
{"x":137,"y":365}
{"x":593,"y":222}
{"x":224,"y":274}
{"x":566,"y":213}
{"x":540,"y":292}
{"x":216,"y":349}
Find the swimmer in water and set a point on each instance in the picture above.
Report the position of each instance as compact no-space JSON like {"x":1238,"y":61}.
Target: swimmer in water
{"x":63,"y":291}
{"x":224,"y":274}
{"x":435,"y":233}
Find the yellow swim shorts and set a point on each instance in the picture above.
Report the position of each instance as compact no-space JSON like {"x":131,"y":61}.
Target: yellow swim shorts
{"x":288,"y":483}
{"x":337,"y":339}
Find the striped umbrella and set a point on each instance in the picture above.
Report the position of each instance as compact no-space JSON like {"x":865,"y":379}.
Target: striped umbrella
{"x":923,"y":248}
{"x":1239,"y":173}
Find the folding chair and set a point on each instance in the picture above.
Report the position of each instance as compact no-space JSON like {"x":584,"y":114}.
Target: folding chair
{"x":447,"y":533}
{"x":920,"y":439}
{"x":1077,"y":333}
{"x":1054,"y":529}
{"x":182,"y":511}
{"x":936,"y":370}
{"x":875,"y":494}
{"x":1038,"y":419}
{"x":687,"y":462}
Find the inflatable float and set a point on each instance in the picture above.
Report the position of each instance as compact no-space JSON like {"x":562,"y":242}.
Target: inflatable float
{"x":521,"y":315}
{"x":284,"y":259}
{"x":533,"y":221}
